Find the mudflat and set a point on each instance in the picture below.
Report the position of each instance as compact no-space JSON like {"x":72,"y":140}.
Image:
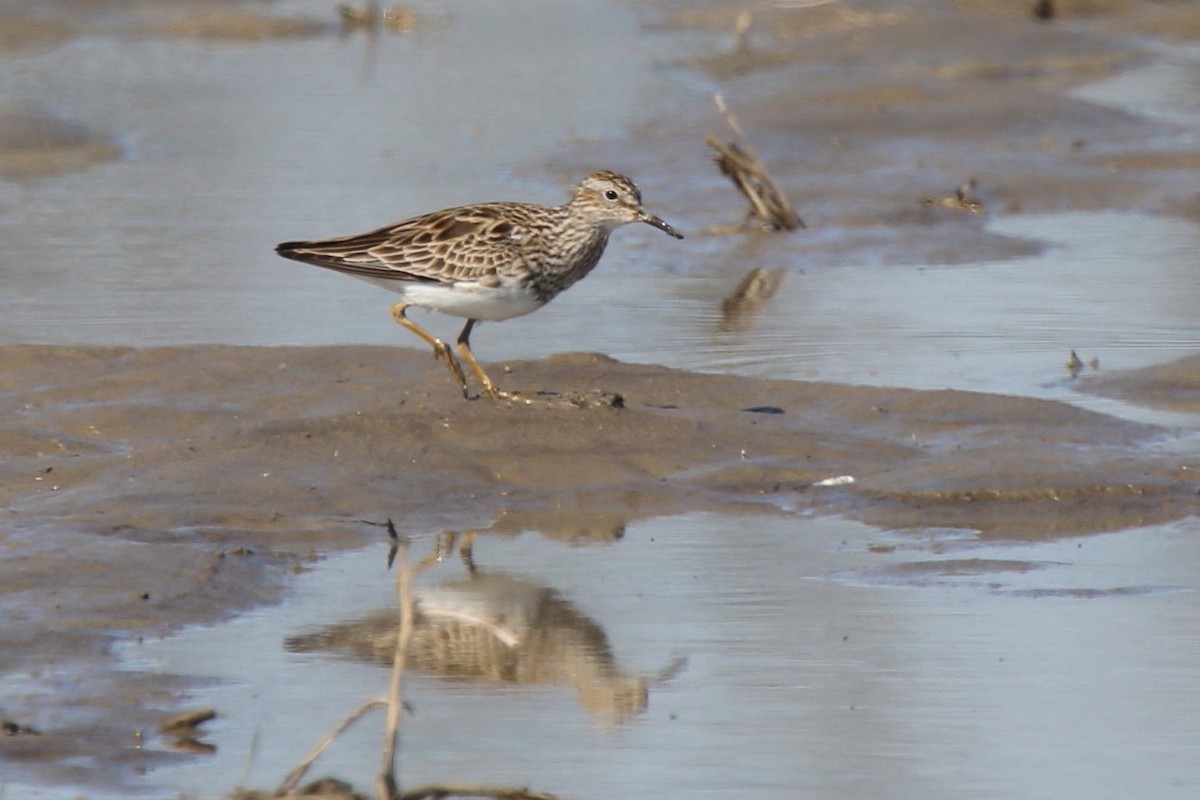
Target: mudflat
{"x":148,"y":488}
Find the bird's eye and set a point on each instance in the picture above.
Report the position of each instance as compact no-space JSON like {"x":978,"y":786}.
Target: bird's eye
{"x":610,"y":195}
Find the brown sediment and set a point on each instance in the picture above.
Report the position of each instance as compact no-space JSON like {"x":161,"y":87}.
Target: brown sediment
{"x":1172,"y":387}
{"x":143,"y":489}
{"x":30,"y":27}
{"x":147,"y":489}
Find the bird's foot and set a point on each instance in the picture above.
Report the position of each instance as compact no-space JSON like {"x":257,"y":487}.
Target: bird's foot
{"x":490,"y":391}
{"x":590,"y":399}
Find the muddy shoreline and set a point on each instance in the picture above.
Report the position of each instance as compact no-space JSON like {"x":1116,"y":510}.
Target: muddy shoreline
{"x":147,"y":489}
{"x":176,"y":497}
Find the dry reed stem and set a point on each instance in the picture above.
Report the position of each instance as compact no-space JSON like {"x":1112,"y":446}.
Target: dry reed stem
{"x":395,"y":700}
{"x":296,"y":775}
{"x":738,"y":161}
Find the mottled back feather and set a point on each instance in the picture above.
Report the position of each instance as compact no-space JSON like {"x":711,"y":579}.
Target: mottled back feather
{"x":456,"y":244}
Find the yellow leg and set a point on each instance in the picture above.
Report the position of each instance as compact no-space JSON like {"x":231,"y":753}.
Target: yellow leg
{"x":440,"y":349}
{"x":464,"y":349}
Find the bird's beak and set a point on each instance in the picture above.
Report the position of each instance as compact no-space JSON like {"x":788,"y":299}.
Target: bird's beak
{"x":650,"y":219}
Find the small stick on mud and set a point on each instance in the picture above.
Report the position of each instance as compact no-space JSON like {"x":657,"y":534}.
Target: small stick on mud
{"x":187,"y":721}
{"x":737,"y":160}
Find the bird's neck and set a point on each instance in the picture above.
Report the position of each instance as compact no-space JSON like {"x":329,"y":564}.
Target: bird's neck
{"x":573,"y":236}
{"x":574,"y":249}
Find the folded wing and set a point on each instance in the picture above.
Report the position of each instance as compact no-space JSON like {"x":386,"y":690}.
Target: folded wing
{"x":467,"y":243}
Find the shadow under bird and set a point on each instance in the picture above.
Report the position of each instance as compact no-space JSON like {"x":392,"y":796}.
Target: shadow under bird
{"x":491,"y":261}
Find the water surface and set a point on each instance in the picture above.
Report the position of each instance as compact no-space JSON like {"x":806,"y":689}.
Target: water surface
{"x":818,"y":656}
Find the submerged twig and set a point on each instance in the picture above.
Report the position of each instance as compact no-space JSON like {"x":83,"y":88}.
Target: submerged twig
{"x":737,"y":160}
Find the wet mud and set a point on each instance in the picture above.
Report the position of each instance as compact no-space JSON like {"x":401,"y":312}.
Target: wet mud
{"x":1174,"y":386}
{"x":870,"y":116}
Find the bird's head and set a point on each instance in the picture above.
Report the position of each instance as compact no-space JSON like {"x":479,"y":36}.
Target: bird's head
{"x":610,"y":200}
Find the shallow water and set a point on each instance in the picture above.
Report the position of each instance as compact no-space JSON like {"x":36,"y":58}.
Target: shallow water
{"x":173,"y":244}
{"x":233,"y":148}
{"x":810,"y":655}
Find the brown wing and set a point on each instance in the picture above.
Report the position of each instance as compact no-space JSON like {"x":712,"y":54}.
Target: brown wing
{"x":444,"y":246}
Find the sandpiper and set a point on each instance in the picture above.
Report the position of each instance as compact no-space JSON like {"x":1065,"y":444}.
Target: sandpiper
{"x":491,"y":261}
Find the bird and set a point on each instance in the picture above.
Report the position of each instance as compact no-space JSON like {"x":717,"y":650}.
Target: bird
{"x":485,"y":262}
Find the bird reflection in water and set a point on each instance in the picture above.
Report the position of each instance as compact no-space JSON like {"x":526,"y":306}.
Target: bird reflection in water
{"x":495,"y":628}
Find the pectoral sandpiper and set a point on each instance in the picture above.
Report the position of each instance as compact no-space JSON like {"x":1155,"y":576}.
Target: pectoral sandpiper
{"x":491,"y":261}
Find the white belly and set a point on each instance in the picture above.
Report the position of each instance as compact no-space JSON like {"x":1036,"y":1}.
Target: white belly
{"x":465,"y":299}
